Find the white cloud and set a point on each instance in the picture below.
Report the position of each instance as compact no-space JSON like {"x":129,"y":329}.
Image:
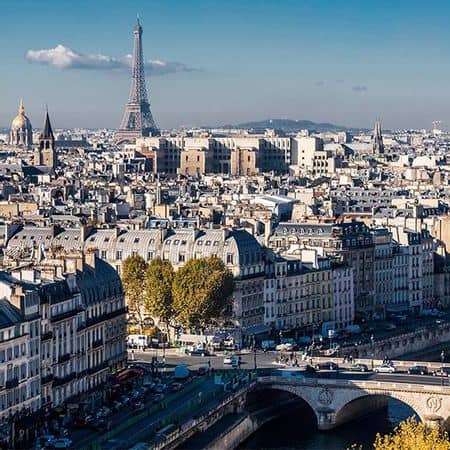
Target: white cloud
{"x":65,"y":58}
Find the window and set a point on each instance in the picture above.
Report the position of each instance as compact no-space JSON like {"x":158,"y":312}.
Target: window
{"x":119,"y":255}
{"x":136,"y":240}
{"x":229,"y":258}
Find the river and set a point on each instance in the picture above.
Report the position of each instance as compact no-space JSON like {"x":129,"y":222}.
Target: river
{"x":298,"y":431}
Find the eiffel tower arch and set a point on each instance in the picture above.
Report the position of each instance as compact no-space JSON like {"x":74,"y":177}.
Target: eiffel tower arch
{"x":137,"y":120}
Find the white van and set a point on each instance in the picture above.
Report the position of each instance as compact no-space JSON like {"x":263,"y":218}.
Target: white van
{"x":137,"y":341}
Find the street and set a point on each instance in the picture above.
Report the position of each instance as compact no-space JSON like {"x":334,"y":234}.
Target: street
{"x":267,"y":361}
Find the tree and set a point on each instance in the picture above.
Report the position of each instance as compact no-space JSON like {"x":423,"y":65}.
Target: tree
{"x":158,"y":287}
{"x":133,"y":280}
{"x":201,"y":291}
{"x":413,"y":435}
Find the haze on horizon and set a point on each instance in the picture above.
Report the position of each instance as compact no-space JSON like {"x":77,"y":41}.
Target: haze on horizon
{"x":210,"y":62}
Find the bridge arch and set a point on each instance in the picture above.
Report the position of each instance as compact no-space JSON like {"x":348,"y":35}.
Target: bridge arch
{"x":266,"y":397}
{"x":368,"y":403}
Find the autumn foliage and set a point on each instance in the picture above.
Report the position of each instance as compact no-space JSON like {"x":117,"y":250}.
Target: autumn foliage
{"x":413,"y":435}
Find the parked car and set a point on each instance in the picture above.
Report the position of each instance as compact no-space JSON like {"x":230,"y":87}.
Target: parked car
{"x":202,"y":370}
{"x":358,"y":367}
{"x":418,"y":370}
{"x":197,"y":352}
{"x":327,"y":366}
{"x":158,"y":397}
{"x":308,"y":370}
{"x":175,"y":387}
{"x":139,"y":406}
{"x":385,"y":368}
{"x":442,"y":372}
{"x":61,"y":443}
{"x":117,"y":406}
{"x":287,"y":347}
{"x":159,"y":388}
{"x":230,"y":359}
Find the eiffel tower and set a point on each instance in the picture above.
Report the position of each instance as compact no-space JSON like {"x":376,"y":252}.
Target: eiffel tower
{"x":137,"y":119}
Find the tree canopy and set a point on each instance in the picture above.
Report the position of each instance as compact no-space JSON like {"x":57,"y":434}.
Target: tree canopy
{"x":133,"y":280}
{"x":413,"y":435}
{"x":158,"y":286}
{"x":201,"y":291}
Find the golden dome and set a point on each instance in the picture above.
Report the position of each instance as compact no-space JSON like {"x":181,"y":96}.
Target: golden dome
{"x":21,"y":121}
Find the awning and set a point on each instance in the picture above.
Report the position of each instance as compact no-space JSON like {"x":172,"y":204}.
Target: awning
{"x":256,"y":329}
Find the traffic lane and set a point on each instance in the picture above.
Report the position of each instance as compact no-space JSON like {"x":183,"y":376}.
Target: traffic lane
{"x":267,"y":360}
{"x":141,"y":429}
{"x":387,"y":377}
{"x":84,"y":436}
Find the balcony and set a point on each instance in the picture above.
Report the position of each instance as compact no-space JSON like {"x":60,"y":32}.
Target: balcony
{"x":47,"y":379}
{"x":65,"y":315}
{"x":97,"y":343}
{"x":63,"y":380}
{"x":103,"y":317}
{"x":10,"y":384}
{"x":97,"y":368}
{"x":64,"y":358}
{"x":46,"y":336}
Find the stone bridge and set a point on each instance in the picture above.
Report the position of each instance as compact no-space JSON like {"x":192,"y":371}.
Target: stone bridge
{"x":337,"y":401}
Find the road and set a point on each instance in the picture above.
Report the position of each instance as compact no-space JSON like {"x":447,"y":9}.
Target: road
{"x":266,"y":361}
{"x":182,"y":406}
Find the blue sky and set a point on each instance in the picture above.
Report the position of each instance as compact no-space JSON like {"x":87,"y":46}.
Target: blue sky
{"x":343,"y":61}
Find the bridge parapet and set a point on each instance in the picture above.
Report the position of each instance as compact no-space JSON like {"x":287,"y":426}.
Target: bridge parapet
{"x":335,"y":401}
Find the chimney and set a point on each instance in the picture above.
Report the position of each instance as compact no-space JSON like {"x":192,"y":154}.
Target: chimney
{"x":85,"y":232}
{"x":91,"y":258}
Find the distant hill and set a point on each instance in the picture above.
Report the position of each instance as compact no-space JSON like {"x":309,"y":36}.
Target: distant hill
{"x":291,"y":126}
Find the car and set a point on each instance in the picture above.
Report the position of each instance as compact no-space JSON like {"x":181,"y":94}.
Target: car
{"x":99,"y":425}
{"x":390,"y":327}
{"x":202,"y":370}
{"x":175,"y":387}
{"x":442,"y":372}
{"x":117,"y":406}
{"x":45,"y":440}
{"x":418,"y":370}
{"x":358,"y":367}
{"x":125,"y":400}
{"x":327,"y":366}
{"x":61,"y":443}
{"x":385,"y":368}
{"x":308,"y":370}
{"x":158,"y":398}
{"x":159,"y":388}
{"x":287,"y":347}
{"x":230,"y":359}
{"x":197,"y":352}
{"x":139,"y":406}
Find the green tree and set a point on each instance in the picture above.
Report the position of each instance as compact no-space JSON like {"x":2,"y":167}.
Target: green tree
{"x":158,"y":287}
{"x":133,"y":280}
{"x":413,"y":435}
{"x":201,"y":291}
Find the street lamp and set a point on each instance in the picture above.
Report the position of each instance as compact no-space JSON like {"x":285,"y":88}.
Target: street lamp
{"x":254,"y":351}
{"x":442,"y":367}
{"x":371,"y":346}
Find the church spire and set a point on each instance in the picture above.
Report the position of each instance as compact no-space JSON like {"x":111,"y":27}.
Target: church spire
{"x":378,"y":145}
{"x":47,"y":132}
